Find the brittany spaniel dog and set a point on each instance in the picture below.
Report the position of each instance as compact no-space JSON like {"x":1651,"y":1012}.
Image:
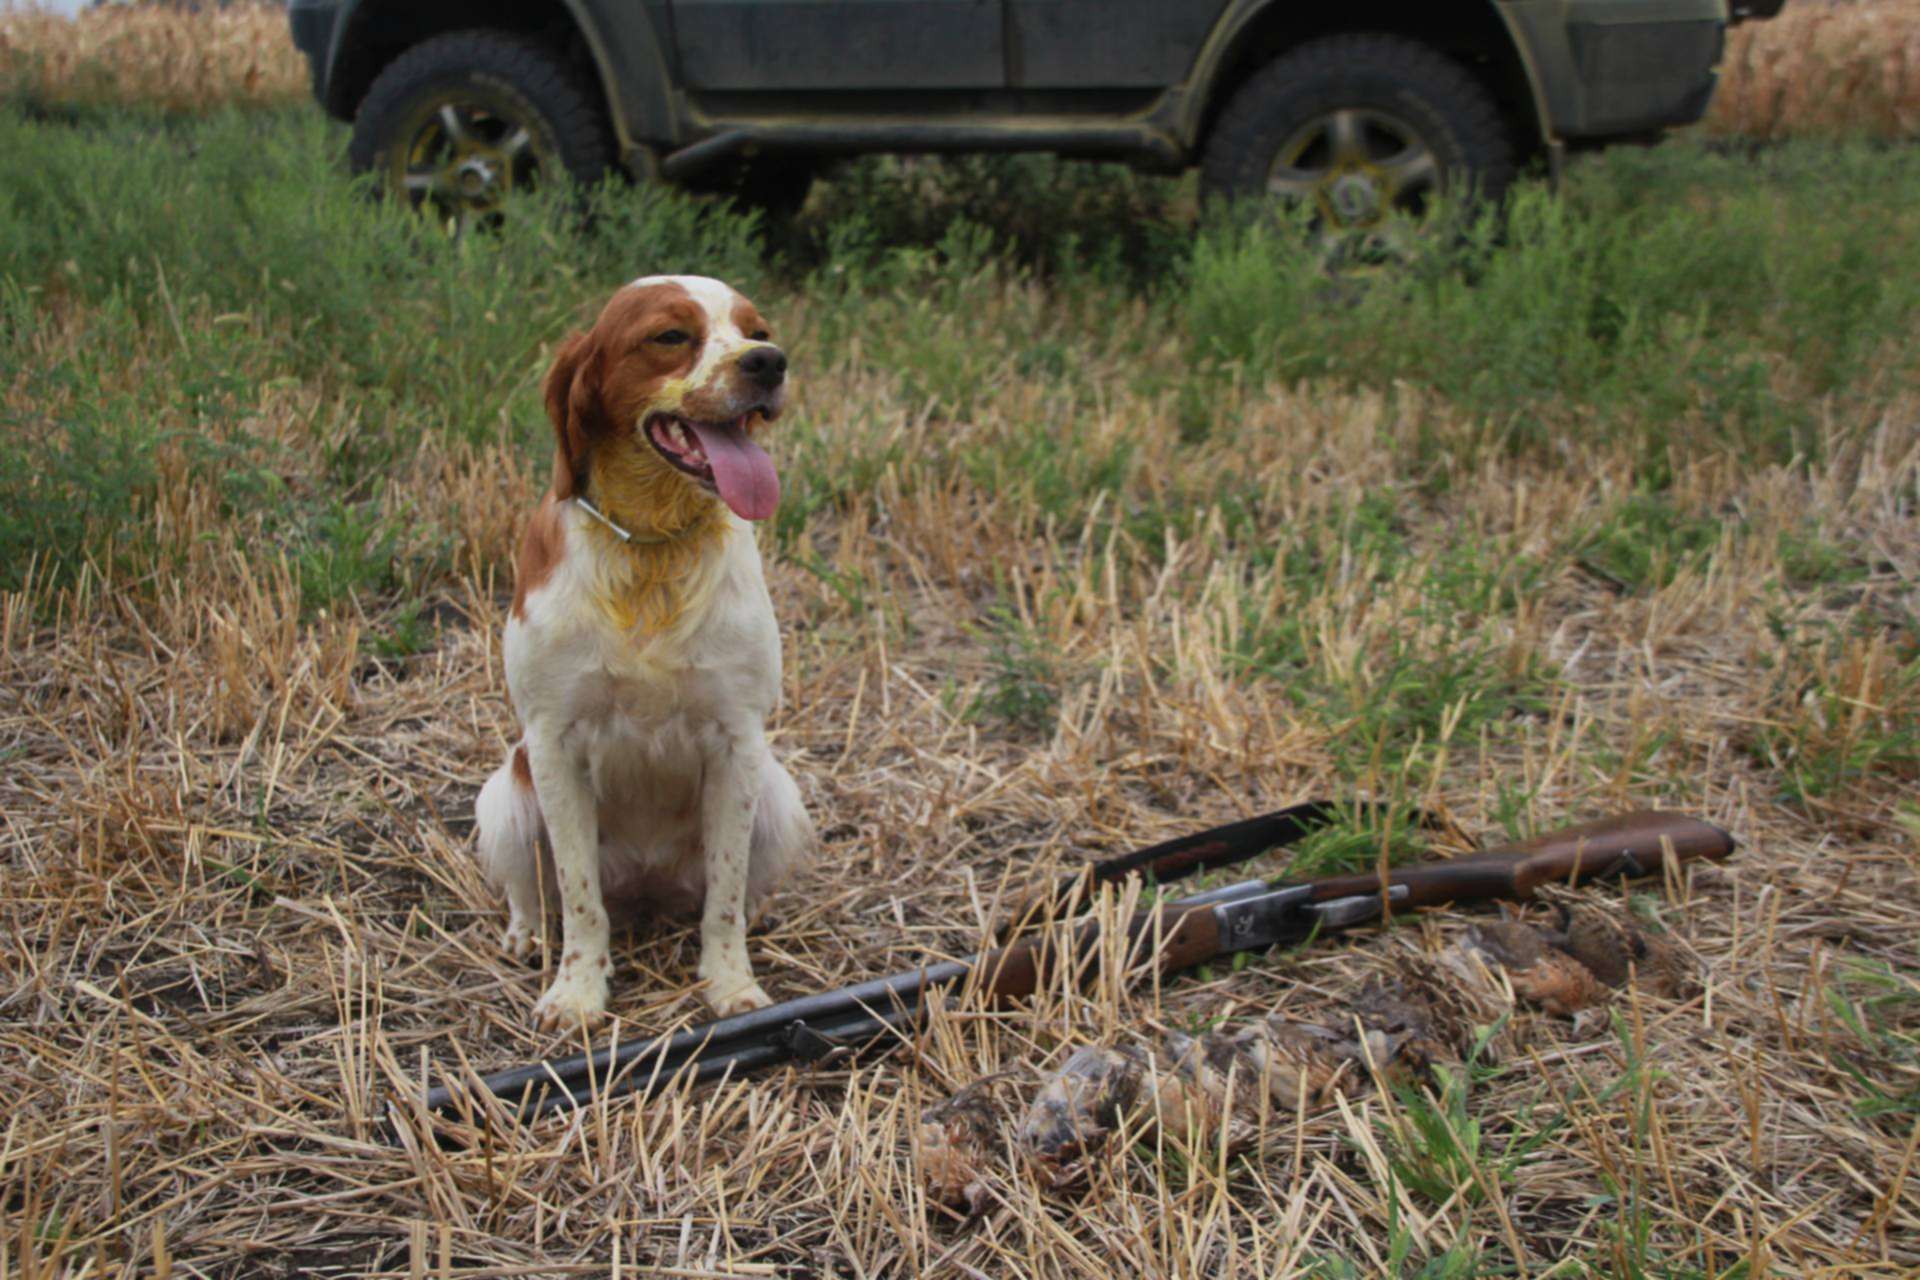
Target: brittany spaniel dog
{"x":641,"y":652}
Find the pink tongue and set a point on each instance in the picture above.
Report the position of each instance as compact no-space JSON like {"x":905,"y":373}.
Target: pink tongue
{"x":742,"y":470}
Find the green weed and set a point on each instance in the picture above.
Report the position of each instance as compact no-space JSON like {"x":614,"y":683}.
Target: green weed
{"x":1645,"y":542}
{"x":403,"y":633}
{"x":1879,"y":1005}
{"x":1414,"y":693}
{"x":851,"y":586}
{"x":1023,"y":689}
{"x":1436,"y":1150}
{"x":1808,"y":558}
{"x":1846,"y":707}
{"x":1357,"y":841}
{"x":1461,"y":1261}
{"x":348,"y":549}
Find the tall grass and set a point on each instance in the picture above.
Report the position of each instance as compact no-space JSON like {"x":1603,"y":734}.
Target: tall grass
{"x":1675,"y":299}
{"x":1700,"y":296}
{"x":237,"y":253}
{"x":173,"y":58}
{"x":1823,"y":69}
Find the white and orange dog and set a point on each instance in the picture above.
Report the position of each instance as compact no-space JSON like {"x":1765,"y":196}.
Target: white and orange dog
{"x":641,"y":653}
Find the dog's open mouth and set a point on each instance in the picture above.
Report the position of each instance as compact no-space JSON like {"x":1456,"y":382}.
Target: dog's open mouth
{"x":721,"y":456}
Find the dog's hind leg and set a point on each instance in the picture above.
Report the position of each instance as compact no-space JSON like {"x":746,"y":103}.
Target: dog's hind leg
{"x":507,"y":820}
{"x":782,"y":836}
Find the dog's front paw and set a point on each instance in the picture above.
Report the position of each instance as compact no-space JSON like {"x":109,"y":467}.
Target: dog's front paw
{"x":728,"y":995}
{"x":577,"y":996}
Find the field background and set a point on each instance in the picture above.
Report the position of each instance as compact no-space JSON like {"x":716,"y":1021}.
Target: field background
{"x":1099,"y":526}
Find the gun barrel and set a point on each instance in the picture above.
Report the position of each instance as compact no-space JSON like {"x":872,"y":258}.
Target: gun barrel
{"x":766,"y":1036}
{"x":732,"y":1039}
{"x":806,"y":1041}
{"x":1191,"y":854}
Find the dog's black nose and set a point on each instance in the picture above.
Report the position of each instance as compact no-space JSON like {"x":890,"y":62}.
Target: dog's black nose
{"x":765,"y":365}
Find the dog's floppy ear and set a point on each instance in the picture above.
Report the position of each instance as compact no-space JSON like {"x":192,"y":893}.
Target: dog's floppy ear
{"x":579,"y":419}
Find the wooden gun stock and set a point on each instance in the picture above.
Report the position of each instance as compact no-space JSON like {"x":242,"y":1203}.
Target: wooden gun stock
{"x":1628,"y":846}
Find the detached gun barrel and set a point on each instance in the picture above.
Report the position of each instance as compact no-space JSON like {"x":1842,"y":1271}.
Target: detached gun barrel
{"x":804,"y":1027}
{"x":739,"y":1043}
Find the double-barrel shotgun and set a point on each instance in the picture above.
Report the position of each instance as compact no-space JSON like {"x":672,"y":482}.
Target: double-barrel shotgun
{"x":1171,"y":936}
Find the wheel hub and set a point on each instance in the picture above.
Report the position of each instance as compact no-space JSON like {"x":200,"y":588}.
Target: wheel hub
{"x":1355,"y":196}
{"x":476,"y":178}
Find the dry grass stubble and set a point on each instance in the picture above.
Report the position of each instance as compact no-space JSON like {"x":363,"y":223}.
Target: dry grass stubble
{"x":243,"y":913}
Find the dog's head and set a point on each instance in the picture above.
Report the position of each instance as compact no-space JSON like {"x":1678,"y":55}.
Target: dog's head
{"x":669,"y":387}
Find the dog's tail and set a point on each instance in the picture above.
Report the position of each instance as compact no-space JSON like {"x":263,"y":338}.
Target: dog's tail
{"x":783,"y":837}
{"x":508,"y":825}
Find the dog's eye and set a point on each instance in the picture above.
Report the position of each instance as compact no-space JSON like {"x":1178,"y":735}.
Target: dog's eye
{"x":758,"y":335}
{"x":672,"y":337}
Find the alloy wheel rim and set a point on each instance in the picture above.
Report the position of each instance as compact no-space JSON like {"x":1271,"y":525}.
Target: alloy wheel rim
{"x":1357,"y":167}
{"x":459,"y":158}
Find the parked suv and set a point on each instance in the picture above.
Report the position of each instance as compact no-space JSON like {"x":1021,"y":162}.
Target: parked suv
{"x":1360,"y":107}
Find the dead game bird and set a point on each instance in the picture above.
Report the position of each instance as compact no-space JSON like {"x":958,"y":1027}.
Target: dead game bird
{"x":1218,"y":1087}
{"x":1541,"y":973}
{"x":959,"y":1136}
{"x":1577,"y":967}
{"x":1614,"y":948}
{"x":1426,"y":1013}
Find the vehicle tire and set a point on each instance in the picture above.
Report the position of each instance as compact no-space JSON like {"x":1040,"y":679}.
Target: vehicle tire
{"x":1359,"y":125}
{"x":459,"y":121}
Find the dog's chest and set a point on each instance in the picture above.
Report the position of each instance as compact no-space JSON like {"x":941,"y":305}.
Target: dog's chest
{"x":660,"y":757}
{"x":657,"y":690}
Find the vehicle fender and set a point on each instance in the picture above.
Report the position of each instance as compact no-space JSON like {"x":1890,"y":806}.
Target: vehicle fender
{"x":1582,"y":100}
{"x":1545,"y":113}
{"x":1216,"y":59}
{"x":625,"y":40}
{"x":630,"y":48}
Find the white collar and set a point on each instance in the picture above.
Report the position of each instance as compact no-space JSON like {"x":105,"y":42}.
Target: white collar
{"x":624,"y":535}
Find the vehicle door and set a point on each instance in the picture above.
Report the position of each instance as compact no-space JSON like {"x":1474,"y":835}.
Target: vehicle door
{"x":754,"y":45}
{"x":1106,"y":44}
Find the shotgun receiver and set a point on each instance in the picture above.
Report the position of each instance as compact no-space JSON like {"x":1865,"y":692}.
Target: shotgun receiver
{"x":1176,"y":935}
